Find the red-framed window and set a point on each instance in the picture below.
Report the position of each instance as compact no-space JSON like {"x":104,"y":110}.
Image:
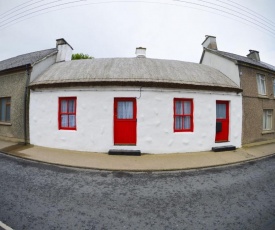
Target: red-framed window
{"x":67,"y":113}
{"x":183,"y":115}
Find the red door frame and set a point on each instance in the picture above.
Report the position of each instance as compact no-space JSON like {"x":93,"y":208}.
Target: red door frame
{"x":222,"y":124}
{"x":125,"y":130}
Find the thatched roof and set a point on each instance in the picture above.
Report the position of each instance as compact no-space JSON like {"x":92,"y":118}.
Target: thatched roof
{"x":131,"y":70}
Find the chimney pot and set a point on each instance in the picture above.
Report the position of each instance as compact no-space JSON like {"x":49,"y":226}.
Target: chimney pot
{"x":254,"y":55}
{"x":141,"y":52}
{"x":64,"y":50}
{"x":210,"y":42}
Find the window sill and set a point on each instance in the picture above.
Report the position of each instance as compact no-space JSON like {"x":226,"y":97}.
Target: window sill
{"x":263,"y":96}
{"x":183,"y":131}
{"x":67,"y":129}
{"x":267,"y":132}
{"x":5,"y":123}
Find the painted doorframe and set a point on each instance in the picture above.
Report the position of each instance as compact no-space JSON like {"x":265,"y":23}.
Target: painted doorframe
{"x":125,"y":129}
{"x":222,"y":123}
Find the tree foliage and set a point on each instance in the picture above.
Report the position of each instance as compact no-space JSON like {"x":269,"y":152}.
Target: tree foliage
{"x":78,"y":56}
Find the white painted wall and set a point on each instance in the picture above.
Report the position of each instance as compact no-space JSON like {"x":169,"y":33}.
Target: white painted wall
{"x":226,"y":66}
{"x":154,"y":114}
{"x":42,"y":66}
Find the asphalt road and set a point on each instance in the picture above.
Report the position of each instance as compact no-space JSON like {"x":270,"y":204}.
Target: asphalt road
{"x":40,"y":196}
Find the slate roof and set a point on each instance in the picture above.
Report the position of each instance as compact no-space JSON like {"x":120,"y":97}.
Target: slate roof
{"x":25,"y":59}
{"x":243,"y":59}
{"x":129,"y":70}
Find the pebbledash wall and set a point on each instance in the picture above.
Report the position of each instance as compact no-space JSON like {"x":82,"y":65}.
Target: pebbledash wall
{"x":155,"y":133}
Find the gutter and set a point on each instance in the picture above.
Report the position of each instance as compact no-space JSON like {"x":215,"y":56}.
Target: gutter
{"x":12,"y":70}
{"x":26,"y":103}
{"x":257,"y":67}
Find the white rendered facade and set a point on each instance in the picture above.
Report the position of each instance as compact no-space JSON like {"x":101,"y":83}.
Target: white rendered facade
{"x":155,"y":131}
{"x":226,"y":66}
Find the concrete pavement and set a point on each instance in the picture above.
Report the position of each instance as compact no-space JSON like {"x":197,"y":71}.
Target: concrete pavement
{"x":145,"y":162}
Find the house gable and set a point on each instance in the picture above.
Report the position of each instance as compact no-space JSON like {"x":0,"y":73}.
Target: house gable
{"x":227,"y":66}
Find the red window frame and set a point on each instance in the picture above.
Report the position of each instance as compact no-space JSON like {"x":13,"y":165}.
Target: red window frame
{"x":60,"y":113}
{"x":183,"y":115}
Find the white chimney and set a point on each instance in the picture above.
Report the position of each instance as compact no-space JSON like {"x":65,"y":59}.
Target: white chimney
{"x":210,"y":42}
{"x":254,"y":55}
{"x":141,"y":52}
{"x":64,"y":50}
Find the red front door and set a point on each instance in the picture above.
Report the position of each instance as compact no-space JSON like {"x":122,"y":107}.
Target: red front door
{"x":125,"y":121}
{"x":222,"y":121}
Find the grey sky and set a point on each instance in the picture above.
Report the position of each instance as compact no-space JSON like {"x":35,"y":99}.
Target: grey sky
{"x":168,"y":29}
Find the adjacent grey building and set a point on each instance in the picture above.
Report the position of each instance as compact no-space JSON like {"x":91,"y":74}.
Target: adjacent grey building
{"x":15,"y":76}
{"x":257,"y":80}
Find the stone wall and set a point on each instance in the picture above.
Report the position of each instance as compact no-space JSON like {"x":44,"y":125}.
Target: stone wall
{"x":13,"y":85}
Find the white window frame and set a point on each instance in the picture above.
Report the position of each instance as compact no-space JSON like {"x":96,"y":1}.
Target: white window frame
{"x":267,"y":119}
{"x":261,"y":84}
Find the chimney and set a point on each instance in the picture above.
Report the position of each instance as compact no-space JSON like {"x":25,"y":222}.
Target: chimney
{"x":141,"y":52}
{"x":210,"y":42}
{"x":254,"y":55}
{"x":64,"y":50}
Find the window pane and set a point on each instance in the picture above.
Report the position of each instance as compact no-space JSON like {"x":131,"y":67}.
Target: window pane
{"x":64,"y":120}
{"x":71,"y":121}
{"x":63,"y":106}
{"x":2,"y":109}
{"x":179,"y":123}
{"x":267,"y":120}
{"x":187,"y":122}
{"x":187,"y":107}
{"x":179,"y":110}
{"x":8,"y":114}
{"x":268,"y":123}
{"x":261,"y":84}
{"x":71,"y":106}
{"x":221,"y":111}
{"x":125,"y":110}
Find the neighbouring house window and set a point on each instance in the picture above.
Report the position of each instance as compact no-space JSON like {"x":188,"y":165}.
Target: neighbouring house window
{"x":67,"y":113}
{"x":183,"y":115}
{"x":5,"y":109}
{"x":261,"y":84}
{"x":273,"y":87}
{"x":267,"y":119}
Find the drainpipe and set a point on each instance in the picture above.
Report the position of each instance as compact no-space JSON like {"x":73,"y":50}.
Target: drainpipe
{"x":26,"y":104}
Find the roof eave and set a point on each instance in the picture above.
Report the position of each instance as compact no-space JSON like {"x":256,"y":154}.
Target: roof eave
{"x":218,"y":54}
{"x":44,"y":58}
{"x":16,"y":69}
{"x":243,"y":63}
{"x":137,"y":83}
{"x":202,"y":55}
{"x":255,"y":67}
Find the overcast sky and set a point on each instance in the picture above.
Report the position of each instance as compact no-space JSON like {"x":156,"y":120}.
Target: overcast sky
{"x":168,"y":29}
